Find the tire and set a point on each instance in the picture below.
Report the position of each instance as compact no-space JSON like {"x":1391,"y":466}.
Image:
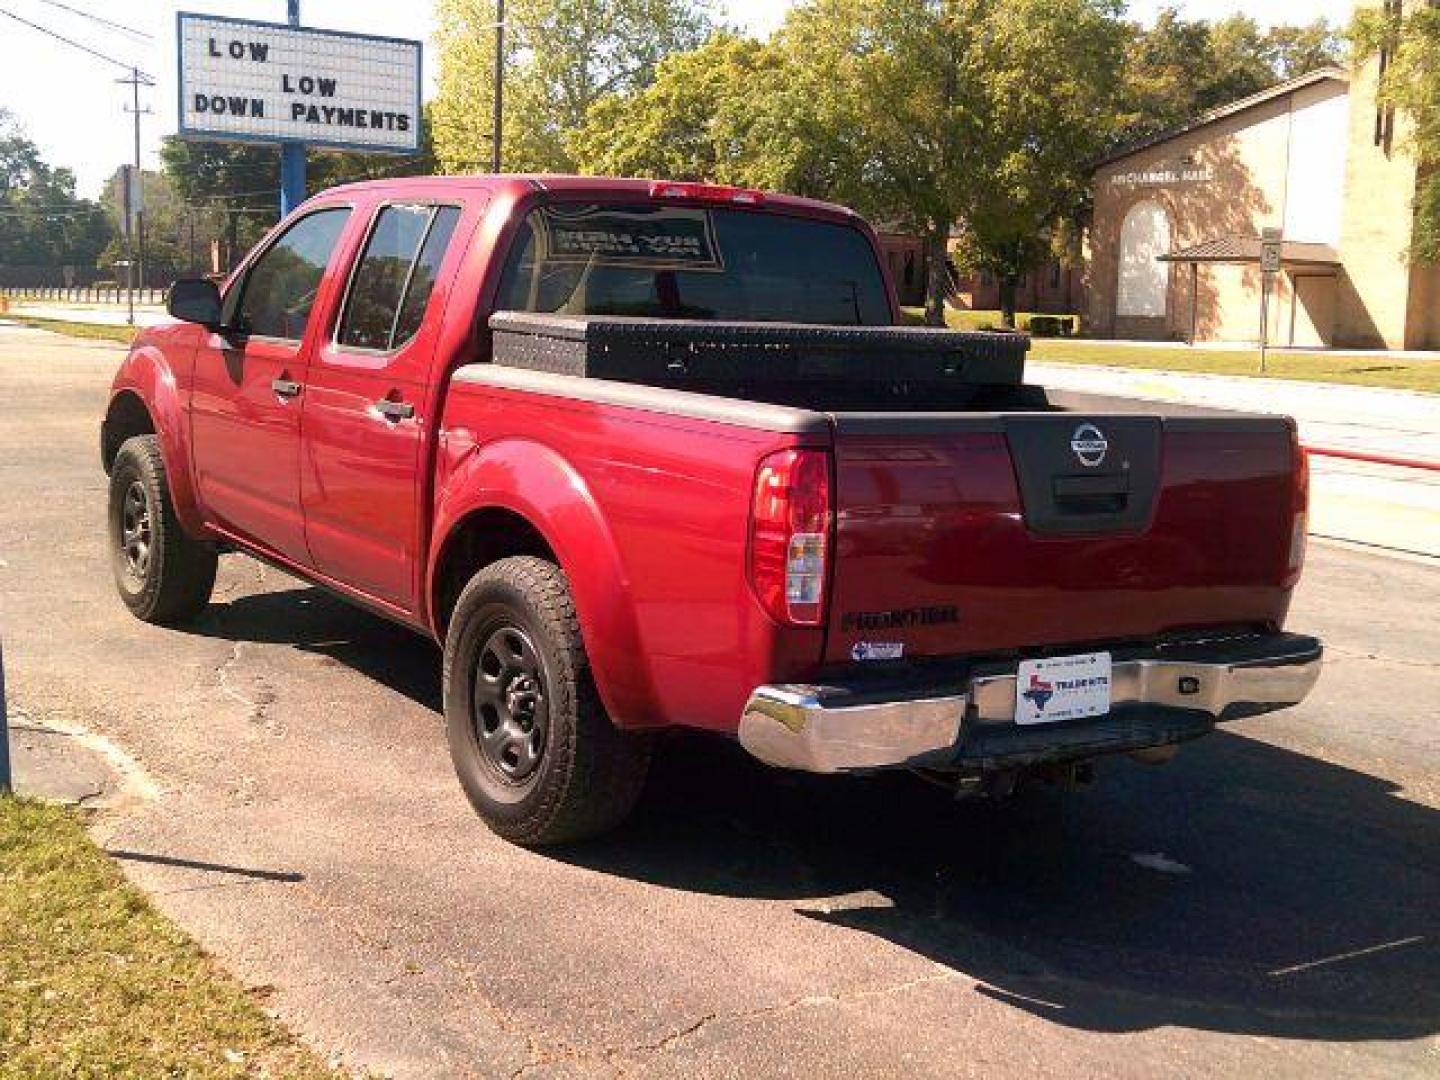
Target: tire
{"x":536,"y":753}
{"x":162,"y":574}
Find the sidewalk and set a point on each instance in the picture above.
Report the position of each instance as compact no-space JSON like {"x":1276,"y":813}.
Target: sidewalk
{"x":1400,"y":423}
{"x":101,"y":315}
{"x":1375,"y":505}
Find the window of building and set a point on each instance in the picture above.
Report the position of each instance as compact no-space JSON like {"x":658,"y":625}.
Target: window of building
{"x":280,"y":287}
{"x":395,"y":276}
{"x":1055,"y":275}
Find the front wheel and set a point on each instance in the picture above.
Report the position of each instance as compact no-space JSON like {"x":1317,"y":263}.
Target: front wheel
{"x":162,"y":574}
{"x":537,"y":756}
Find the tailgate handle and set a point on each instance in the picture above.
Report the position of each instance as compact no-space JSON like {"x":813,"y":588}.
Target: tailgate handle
{"x":1108,"y":494}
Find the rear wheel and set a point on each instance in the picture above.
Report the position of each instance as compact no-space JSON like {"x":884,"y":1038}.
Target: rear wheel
{"x":537,"y":756}
{"x":162,"y":575}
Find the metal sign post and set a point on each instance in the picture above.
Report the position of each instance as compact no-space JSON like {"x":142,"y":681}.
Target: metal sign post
{"x":1271,"y":257}
{"x":292,"y":154}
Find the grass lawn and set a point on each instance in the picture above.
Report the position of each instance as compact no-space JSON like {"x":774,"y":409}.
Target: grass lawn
{"x":967,"y":320}
{"x":122,"y":334}
{"x":1357,"y":370}
{"x":95,"y":982}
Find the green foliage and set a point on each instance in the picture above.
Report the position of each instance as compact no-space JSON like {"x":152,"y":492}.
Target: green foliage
{"x":1052,"y":326}
{"x":42,"y":222}
{"x":985,"y":112}
{"x":1411,"y":84}
{"x":562,"y":57}
{"x":231,"y":191}
{"x":1180,"y":68}
{"x":726,"y":112}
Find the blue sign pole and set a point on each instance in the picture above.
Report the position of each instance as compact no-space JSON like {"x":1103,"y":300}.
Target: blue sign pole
{"x":292,"y":176}
{"x":292,"y":154}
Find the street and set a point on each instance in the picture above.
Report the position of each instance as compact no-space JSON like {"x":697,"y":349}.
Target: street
{"x":1267,"y":904}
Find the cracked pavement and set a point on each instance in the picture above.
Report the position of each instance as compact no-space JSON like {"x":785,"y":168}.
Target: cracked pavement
{"x":308,"y":830}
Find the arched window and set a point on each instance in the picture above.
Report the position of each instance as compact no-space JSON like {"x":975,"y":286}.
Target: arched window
{"x":1144,"y":280}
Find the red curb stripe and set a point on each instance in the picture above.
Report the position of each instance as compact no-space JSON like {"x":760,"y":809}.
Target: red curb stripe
{"x":1375,"y":459}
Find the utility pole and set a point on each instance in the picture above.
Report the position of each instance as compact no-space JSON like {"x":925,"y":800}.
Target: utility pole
{"x":292,"y":154}
{"x":498,"y":118}
{"x":135,"y":196}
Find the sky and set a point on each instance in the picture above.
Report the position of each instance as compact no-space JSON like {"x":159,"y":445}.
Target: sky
{"x":69,"y":103}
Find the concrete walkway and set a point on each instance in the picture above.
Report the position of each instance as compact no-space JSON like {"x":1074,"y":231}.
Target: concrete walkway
{"x":1381,"y":506}
{"x":96,"y":315}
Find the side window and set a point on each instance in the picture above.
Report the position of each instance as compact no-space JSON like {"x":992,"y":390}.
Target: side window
{"x":279,"y":290}
{"x":396,"y":275}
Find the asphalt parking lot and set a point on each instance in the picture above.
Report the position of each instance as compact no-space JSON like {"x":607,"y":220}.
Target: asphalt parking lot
{"x":1268,"y":903}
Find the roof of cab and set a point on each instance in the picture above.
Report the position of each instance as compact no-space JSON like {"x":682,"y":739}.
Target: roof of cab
{"x":518,"y":185}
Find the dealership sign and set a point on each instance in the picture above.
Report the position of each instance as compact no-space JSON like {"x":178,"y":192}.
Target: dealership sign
{"x":267,"y":82}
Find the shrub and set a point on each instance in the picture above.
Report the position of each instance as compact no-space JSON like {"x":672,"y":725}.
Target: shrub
{"x":1049,"y":326}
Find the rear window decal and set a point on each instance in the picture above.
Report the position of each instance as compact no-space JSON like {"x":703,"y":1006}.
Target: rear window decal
{"x":662,"y":238}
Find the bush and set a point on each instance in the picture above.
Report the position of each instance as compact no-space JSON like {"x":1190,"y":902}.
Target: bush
{"x":1049,"y":326}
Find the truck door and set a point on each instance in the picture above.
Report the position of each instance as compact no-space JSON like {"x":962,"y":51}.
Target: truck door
{"x":365,"y":423}
{"x":247,"y":389}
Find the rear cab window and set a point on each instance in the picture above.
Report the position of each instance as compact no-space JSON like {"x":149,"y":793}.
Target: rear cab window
{"x":682,"y":262}
{"x":395,"y":276}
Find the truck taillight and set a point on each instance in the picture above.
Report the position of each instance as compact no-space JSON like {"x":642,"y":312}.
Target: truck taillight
{"x":1300,"y":513}
{"x":790,"y":520}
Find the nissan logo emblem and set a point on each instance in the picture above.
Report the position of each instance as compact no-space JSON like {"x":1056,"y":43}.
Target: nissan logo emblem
{"x":1090,"y":445}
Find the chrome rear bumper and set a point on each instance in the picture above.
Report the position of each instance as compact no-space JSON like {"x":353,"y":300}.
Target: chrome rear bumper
{"x":1159,"y":697}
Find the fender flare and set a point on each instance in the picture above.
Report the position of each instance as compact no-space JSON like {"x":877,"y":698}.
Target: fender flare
{"x":147,"y":374}
{"x":535,"y":483}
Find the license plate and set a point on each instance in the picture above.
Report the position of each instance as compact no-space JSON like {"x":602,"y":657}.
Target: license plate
{"x":1062,"y":688}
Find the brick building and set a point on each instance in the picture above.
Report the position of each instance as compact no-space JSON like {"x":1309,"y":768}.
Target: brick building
{"x":1175,"y":242}
{"x":1052,"y":289}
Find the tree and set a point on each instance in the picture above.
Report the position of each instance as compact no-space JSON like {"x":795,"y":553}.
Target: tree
{"x":725,"y":113}
{"x":1410,"y":82}
{"x":562,"y":57}
{"x":42,"y":222}
{"x":1178,"y":69}
{"x":232,"y":190}
{"x":984,"y":112}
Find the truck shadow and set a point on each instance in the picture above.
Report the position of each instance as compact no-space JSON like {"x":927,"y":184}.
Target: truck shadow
{"x":313,"y":621}
{"x":1244,"y":888}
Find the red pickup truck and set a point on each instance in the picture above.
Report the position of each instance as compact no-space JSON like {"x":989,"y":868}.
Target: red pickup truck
{"x":649,"y":455}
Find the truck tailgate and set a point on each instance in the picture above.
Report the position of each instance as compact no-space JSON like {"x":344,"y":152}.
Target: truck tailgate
{"x":989,"y":534}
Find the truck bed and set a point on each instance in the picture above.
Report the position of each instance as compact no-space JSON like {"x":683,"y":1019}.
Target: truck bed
{"x":977,"y":531}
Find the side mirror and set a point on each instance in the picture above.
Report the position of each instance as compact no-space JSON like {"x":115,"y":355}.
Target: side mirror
{"x":195,"y":300}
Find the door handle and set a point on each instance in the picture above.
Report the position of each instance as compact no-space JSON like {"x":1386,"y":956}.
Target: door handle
{"x":394,"y":411}
{"x":285,"y":388}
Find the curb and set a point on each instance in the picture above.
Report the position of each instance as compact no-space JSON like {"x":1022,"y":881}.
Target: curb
{"x":1423,"y":464}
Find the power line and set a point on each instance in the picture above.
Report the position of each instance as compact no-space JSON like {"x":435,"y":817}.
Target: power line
{"x":148,"y":80}
{"x":103,"y":22}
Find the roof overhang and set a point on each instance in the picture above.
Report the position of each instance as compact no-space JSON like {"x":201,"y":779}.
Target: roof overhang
{"x":1245,"y":250}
